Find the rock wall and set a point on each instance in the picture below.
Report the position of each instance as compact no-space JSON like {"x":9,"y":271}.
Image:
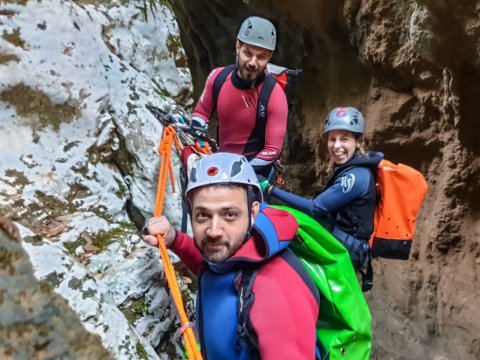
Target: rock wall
{"x":36,"y":323}
{"x":79,"y":161}
{"x":412,"y":68}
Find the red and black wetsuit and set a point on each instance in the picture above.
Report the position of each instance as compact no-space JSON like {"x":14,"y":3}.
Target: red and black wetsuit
{"x":237,"y":114}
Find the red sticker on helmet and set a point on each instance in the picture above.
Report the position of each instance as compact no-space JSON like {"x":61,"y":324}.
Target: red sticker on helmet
{"x":341,"y":112}
{"x":212,"y":171}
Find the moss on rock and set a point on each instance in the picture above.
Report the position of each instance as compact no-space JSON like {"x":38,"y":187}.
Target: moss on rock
{"x":38,"y":108}
{"x":14,"y":38}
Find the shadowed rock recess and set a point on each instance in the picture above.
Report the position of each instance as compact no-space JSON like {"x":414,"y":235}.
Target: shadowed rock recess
{"x":36,"y":323}
{"x":412,"y":68}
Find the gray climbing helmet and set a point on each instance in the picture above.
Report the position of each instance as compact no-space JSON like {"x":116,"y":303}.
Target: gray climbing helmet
{"x":345,"y":118}
{"x":224,"y":168}
{"x":259,"y":32}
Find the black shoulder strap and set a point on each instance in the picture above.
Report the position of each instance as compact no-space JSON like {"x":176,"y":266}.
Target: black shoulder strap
{"x":295,"y":263}
{"x":367,"y":277}
{"x":244,"y":280}
{"x":218,"y":83}
{"x":185,"y":202}
{"x":256,"y":141}
{"x":217,"y":86}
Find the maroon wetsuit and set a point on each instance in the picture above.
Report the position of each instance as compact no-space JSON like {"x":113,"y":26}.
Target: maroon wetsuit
{"x":237,"y":109}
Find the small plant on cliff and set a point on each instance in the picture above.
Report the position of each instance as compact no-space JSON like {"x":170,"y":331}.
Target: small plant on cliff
{"x":152,"y":6}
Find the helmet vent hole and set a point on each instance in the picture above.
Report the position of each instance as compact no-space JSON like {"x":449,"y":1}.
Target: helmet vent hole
{"x":236,"y":168}
{"x":193,"y":175}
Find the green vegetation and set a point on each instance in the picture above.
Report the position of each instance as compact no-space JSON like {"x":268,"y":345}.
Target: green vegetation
{"x":75,"y":284}
{"x":162,"y":91}
{"x":122,"y":189}
{"x":52,"y":205}
{"x":71,"y":246}
{"x":151,"y":6}
{"x":104,"y":238}
{"x":174,"y":45}
{"x":77,"y":191}
{"x":186,"y":295}
{"x":141,"y":351}
{"x":135,"y":310}
{"x":166,"y":3}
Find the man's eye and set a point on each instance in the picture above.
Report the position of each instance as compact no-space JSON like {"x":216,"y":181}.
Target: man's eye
{"x":200,"y":216}
{"x":231,"y":215}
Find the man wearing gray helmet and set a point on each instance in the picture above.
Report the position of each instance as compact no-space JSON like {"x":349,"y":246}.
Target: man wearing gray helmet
{"x":240,"y":247}
{"x":346,"y":206}
{"x":251,"y":107}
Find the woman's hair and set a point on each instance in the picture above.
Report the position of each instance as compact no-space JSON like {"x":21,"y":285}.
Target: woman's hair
{"x":360,"y":143}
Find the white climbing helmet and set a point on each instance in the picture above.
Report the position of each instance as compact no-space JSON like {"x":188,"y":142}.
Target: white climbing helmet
{"x":259,"y":32}
{"x":224,"y":168}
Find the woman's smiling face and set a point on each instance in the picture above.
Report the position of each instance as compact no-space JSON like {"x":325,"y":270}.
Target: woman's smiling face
{"x":341,"y":145}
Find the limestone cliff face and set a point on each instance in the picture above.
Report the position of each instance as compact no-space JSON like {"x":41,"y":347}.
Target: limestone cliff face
{"x":78,"y":173}
{"x":412,"y":68}
{"x":36,"y":323}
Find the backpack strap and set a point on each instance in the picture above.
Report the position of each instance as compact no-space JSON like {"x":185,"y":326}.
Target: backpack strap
{"x":367,"y":276}
{"x":244,"y":280}
{"x":218,"y":83}
{"x":185,"y":202}
{"x":256,"y":141}
{"x":217,"y":86}
{"x":289,"y":256}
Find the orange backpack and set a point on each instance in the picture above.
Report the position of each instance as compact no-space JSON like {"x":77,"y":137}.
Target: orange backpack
{"x":401,"y":191}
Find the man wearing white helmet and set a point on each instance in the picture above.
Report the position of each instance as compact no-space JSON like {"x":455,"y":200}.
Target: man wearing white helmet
{"x":251,"y":107}
{"x":241,"y":247}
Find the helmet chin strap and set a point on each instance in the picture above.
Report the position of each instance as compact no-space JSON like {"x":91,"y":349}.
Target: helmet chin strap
{"x":248,"y":234}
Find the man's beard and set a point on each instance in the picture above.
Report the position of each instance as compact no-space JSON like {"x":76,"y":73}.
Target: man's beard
{"x":249,"y":77}
{"x":215,"y":251}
